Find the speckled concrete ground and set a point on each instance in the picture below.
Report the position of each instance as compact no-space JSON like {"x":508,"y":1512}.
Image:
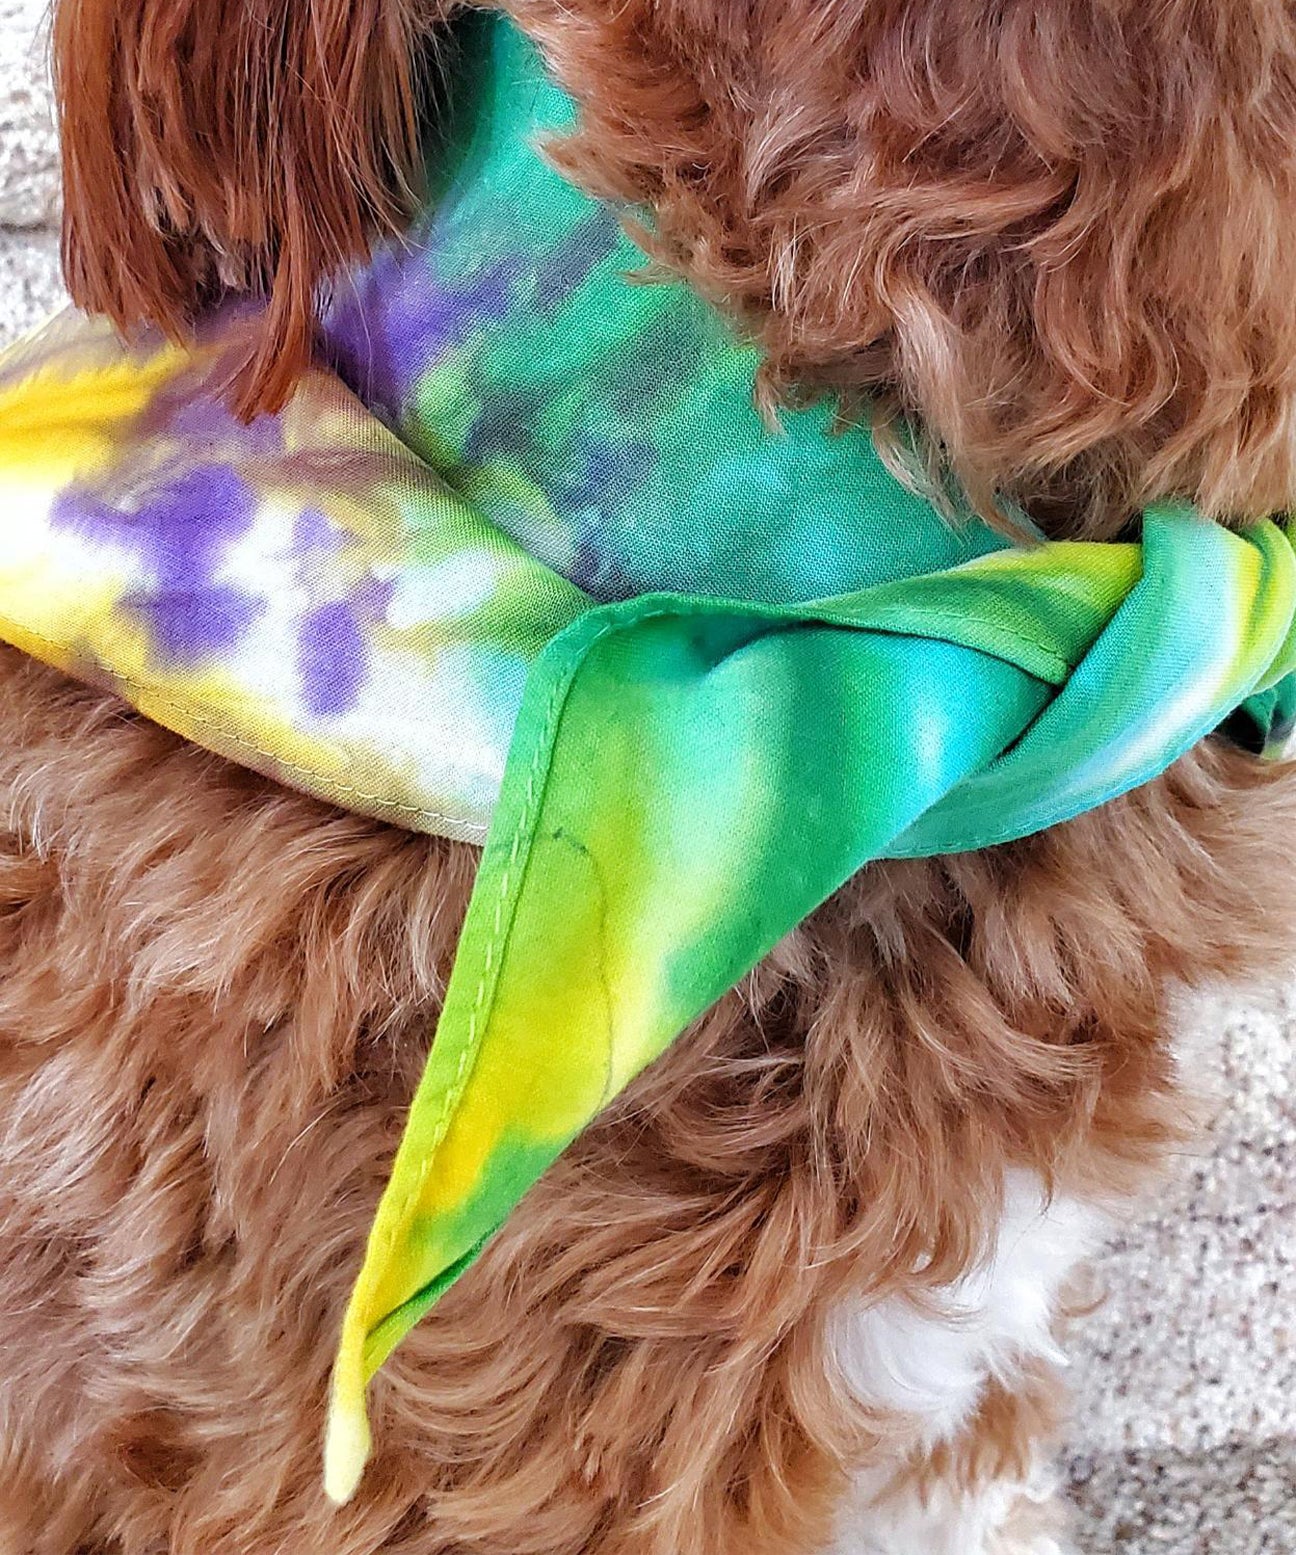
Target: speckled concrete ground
{"x":1184,"y":1435}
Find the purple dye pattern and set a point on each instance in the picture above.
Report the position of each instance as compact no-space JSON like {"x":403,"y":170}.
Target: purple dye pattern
{"x":194,"y":403}
{"x":212,"y":427}
{"x":392,"y":320}
{"x":582,"y":472}
{"x":331,"y":657}
{"x":560,"y":274}
{"x":187,"y":626}
{"x":315,"y":531}
{"x":179,"y":533}
{"x":333,"y":639}
{"x":605,"y":475}
{"x":396,"y":317}
{"x":371,"y":597}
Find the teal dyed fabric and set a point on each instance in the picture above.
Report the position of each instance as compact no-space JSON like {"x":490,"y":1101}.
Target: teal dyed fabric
{"x":521,"y":562}
{"x":608,"y":427}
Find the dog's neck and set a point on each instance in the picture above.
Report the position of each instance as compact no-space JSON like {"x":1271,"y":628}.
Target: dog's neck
{"x":607,"y":425}
{"x":461,"y":613}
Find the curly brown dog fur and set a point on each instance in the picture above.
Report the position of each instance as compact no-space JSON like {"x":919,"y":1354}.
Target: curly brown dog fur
{"x":216,"y":1000}
{"x":1057,"y":232}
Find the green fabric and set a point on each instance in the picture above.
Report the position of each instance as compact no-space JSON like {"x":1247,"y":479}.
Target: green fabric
{"x":521,"y":559}
{"x":688,"y":779}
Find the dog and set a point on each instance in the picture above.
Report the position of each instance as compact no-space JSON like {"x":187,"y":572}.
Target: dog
{"x":830,"y":1233}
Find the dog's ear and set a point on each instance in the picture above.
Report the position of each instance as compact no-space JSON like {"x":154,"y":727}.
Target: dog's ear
{"x":244,"y":145}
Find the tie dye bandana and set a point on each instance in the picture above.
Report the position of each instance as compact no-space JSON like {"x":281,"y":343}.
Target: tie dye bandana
{"x":522,"y":563}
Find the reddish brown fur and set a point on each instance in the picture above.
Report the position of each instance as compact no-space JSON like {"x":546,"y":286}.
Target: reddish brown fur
{"x":1058,"y":231}
{"x":216,"y":999}
{"x":242,"y":145}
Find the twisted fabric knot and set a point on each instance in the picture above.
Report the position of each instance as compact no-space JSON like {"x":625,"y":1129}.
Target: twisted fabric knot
{"x":690,"y":778}
{"x":521,"y":562}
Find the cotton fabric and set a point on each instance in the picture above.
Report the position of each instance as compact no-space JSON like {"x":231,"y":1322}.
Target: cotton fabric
{"x":521,"y":561}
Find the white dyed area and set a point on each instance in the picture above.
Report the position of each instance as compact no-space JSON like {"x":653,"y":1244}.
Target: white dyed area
{"x":1184,"y":1434}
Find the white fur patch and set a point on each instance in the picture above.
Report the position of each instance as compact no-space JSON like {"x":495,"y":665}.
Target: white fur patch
{"x":931,"y":1361}
{"x":1001,"y":1518}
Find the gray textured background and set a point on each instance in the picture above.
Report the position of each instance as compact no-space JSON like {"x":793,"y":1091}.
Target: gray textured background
{"x":1184,"y":1433}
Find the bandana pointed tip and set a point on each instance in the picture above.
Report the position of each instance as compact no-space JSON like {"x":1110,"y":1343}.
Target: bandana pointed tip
{"x":347,"y":1442}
